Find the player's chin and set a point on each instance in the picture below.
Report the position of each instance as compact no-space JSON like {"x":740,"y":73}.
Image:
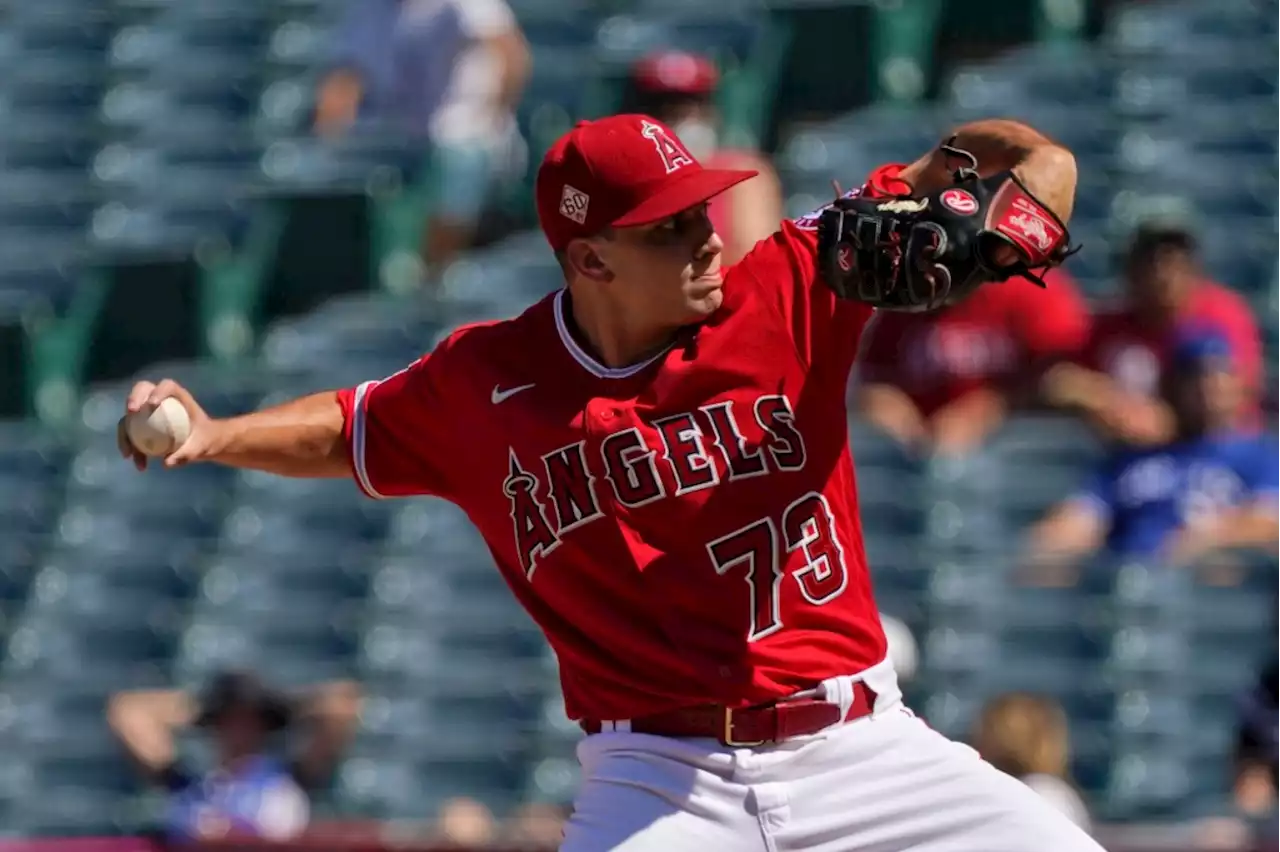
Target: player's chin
{"x":705,"y":301}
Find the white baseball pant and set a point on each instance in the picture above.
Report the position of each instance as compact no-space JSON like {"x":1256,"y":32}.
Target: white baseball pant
{"x":884,"y":783}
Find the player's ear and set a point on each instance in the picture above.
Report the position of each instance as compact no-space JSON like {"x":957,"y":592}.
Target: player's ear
{"x":587,"y":262}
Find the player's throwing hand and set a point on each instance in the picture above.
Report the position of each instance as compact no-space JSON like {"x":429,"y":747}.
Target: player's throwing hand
{"x":147,"y":395}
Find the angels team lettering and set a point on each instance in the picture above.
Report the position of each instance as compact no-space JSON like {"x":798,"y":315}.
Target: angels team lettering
{"x":699,"y":449}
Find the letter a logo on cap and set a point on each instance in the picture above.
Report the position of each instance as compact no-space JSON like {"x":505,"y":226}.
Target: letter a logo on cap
{"x":674,"y":156}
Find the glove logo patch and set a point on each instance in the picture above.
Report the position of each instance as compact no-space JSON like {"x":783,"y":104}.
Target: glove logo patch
{"x":844,"y":258}
{"x":904,"y":205}
{"x":959,"y":201}
{"x":1030,"y":228}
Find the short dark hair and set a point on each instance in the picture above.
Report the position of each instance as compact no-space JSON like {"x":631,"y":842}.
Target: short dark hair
{"x":1153,"y":239}
{"x":661,"y":104}
{"x":236,"y":688}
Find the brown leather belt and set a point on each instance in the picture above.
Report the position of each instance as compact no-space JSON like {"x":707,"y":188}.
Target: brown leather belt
{"x":762,"y":724}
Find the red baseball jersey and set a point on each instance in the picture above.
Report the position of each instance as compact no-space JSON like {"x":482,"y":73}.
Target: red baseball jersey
{"x":993,"y":339}
{"x":683,"y":530}
{"x":1136,"y":355}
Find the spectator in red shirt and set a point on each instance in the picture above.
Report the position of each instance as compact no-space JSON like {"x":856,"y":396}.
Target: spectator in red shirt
{"x":679,"y":90}
{"x":944,"y":381}
{"x":1116,"y":383}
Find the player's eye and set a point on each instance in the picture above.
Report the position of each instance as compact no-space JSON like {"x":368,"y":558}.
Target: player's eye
{"x":680,"y":224}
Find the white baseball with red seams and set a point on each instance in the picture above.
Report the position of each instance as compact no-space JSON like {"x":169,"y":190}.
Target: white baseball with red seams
{"x":157,"y":430}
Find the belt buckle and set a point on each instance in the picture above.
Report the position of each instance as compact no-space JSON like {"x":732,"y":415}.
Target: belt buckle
{"x":727,"y":734}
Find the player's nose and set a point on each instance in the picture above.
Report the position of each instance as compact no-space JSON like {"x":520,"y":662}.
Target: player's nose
{"x":711,"y":246}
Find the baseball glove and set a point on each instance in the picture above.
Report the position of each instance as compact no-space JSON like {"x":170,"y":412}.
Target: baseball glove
{"x":918,"y":254}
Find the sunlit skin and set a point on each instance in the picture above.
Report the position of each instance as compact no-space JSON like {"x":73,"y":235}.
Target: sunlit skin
{"x":634,"y":289}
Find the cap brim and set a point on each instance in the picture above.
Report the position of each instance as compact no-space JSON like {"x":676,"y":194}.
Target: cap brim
{"x":698,"y":187}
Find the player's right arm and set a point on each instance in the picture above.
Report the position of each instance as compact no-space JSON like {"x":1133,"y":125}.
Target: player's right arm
{"x":300,"y":438}
{"x":398,"y":436}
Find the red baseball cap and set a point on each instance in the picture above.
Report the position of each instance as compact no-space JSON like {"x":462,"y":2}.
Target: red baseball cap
{"x":621,"y":171}
{"x":676,"y":72}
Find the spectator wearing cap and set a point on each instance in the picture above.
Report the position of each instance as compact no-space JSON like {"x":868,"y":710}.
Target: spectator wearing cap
{"x":448,"y":72}
{"x":1116,"y":383}
{"x":942,"y":382}
{"x":250,"y":791}
{"x":1211,"y":487}
{"x":679,"y":90}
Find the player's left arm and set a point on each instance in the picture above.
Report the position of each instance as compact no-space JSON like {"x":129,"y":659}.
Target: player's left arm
{"x":794,"y":270}
{"x":991,"y":203}
{"x":1046,"y":169}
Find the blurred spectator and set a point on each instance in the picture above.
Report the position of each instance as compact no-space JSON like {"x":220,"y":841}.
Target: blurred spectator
{"x":945,"y":381}
{"x":1256,"y":779}
{"x":536,"y":825}
{"x":678,"y":89}
{"x":1026,"y":736}
{"x":449,"y":72}
{"x":1213,"y":487}
{"x":466,"y":822}
{"x":1117,"y":383}
{"x":250,"y":791}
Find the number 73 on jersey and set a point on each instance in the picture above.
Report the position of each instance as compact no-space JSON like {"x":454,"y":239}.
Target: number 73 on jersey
{"x":761,"y":552}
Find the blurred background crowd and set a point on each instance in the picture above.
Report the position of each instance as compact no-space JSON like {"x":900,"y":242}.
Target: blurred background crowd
{"x":1069,"y":495}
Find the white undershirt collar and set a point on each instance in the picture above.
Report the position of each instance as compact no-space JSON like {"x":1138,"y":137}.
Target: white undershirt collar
{"x":591,"y":365}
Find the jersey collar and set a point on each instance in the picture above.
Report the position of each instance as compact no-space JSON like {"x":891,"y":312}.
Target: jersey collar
{"x":588,"y":363}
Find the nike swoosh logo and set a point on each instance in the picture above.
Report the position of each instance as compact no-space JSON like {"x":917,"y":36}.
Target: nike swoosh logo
{"x":500,"y":395}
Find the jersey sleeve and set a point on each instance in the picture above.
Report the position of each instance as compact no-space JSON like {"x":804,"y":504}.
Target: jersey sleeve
{"x":1098,"y":493}
{"x":1241,"y":329}
{"x":784,"y":271}
{"x":482,"y":19}
{"x":359,"y":35}
{"x":401,"y":432}
{"x":1262,"y":475}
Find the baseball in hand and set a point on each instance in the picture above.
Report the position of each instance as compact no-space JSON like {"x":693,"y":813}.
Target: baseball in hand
{"x":158,"y":430}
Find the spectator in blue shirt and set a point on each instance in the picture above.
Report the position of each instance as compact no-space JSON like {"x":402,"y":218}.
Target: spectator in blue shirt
{"x":251,"y":791}
{"x":447,"y":72}
{"x":1212,"y":488}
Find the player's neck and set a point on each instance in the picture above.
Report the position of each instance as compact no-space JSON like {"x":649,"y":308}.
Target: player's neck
{"x":610,"y":336}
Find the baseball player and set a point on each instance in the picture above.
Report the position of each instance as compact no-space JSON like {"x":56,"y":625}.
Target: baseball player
{"x":657,"y":457}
